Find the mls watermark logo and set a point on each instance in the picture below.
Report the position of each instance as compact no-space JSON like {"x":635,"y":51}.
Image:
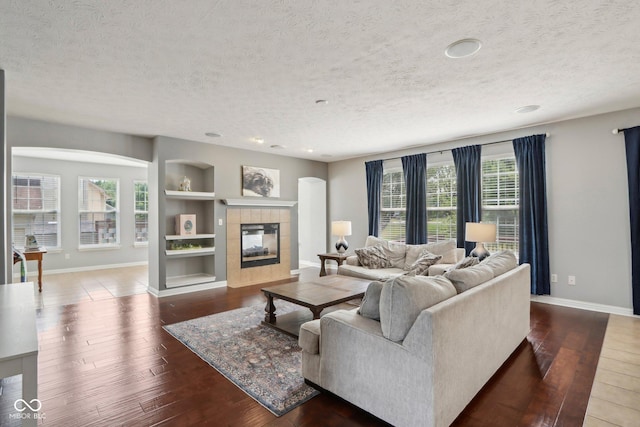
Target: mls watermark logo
{"x":27,"y":410}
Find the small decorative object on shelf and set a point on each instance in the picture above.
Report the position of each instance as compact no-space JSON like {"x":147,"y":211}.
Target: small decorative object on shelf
{"x":185,"y":224}
{"x":184,"y":246}
{"x":185,"y":184}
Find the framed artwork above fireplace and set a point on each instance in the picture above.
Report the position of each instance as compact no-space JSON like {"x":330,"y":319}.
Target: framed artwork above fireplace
{"x":260,"y":182}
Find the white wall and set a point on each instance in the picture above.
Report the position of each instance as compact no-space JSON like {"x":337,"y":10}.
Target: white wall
{"x":69,"y":172}
{"x":312,"y":219}
{"x":587,"y":196}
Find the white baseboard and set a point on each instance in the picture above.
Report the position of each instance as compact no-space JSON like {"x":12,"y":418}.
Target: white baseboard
{"x":34,"y":272}
{"x":603,"y":308}
{"x":309,"y":263}
{"x":186,"y":289}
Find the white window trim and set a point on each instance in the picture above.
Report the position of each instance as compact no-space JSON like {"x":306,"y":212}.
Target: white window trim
{"x":99,"y":246}
{"x":58,"y":246}
{"x":136,"y":211}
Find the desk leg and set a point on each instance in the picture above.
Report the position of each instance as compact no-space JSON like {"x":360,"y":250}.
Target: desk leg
{"x":40,"y":275}
{"x":323,"y":271}
{"x":30,"y":389}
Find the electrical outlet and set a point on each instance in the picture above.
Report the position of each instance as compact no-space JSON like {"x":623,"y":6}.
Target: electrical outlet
{"x":67,"y":256}
{"x":219,"y":221}
{"x":572,"y":280}
{"x":554,"y":278}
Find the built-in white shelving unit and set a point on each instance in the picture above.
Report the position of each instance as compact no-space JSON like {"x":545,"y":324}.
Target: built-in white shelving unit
{"x":189,"y":259}
{"x":190,"y":195}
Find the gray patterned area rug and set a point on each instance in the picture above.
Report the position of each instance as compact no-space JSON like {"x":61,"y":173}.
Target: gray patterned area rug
{"x":262,"y":362}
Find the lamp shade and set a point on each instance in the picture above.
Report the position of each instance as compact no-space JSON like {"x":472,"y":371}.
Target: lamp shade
{"x":341,"y":228}
{"x":480,"y":232}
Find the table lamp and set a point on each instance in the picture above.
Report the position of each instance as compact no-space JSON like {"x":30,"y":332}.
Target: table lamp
{"x":341,"y":229}
{"x":480,"y":233}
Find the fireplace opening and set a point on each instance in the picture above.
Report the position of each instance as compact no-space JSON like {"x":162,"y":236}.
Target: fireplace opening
{"x":260,"y":244}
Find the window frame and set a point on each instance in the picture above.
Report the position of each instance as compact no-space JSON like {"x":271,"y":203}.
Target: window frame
{"x":137,"y":211}
{"x":116,"y":211}
{"x":454,"y":196}
{"x":511,"y":239}
{"x":393,"y":168}
{"x":42,"y":211}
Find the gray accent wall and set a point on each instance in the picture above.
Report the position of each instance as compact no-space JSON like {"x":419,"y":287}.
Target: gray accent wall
{"x":23,"y":132}
{"x":69,"y":172}
{"x":228,"y":164}
{"x":587,"y":199}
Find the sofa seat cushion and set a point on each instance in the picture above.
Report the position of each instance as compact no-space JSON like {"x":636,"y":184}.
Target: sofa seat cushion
{"x":403,"y":298}
{"x":466,"y":278}
{"x":309,"y":339}
{"x":369,"y":273}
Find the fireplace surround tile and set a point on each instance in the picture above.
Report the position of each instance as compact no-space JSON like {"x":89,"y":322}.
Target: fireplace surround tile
{"x":237,"y":276}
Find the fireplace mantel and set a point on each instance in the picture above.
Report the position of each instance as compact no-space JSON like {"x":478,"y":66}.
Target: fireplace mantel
{"x":260,"y":202}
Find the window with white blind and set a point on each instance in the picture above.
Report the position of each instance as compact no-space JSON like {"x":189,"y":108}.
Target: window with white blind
{"x":36,"y":209}
{"x":141,"y":211}
{"x":98,"y":209}
{"x":441,"y":202}
{"x":500,"y":201}
{"x":393,"y":205}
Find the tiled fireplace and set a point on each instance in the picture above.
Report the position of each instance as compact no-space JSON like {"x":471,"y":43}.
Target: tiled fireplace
{"x":266,"y":253}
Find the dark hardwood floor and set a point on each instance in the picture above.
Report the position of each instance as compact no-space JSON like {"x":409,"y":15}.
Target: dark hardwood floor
{"x":109,"y":362}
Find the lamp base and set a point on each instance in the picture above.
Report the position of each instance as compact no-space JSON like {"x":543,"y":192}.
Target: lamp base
{"x":480,"y":252}
{"x":342,"y":245}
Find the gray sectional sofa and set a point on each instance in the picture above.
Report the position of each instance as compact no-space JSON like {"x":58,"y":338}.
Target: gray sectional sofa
{"x":401,"y":257}
{"x":438,"y":340}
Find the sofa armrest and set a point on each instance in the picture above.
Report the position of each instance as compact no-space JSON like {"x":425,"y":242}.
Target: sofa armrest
{"x":378,"y":375}
{"x":460,"y":254}
{"x":309,"y":339}
{"x":352,"y":260}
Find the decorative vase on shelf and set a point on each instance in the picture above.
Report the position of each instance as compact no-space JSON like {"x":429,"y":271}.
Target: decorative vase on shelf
{"x":185,"y":184}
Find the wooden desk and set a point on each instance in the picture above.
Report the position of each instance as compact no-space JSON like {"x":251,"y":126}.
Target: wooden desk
{"x":339,"y":258}
{"x":19,"y":345}
{"x":35,"y":255}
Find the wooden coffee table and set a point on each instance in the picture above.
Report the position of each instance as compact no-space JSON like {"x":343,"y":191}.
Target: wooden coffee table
{"x":328,"y":292}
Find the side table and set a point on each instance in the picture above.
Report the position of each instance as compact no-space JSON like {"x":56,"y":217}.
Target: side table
{"x":339,"y":258}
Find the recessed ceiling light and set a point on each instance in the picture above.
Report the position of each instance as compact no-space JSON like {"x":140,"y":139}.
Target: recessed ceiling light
{"x":277,"y":147}
{"x":322,"y":101}
{"x":309,"y":150}
{"x":259,"y":140}
{"x":213,"y":134}
{"x":527,"y":109}
{"x":463,"y":48}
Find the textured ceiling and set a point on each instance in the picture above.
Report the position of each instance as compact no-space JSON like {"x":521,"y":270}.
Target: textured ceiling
{"x":249,"y":69}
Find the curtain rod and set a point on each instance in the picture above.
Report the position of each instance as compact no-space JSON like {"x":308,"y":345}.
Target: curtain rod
{"x":486,"y":143}
{"x":616,"y":131}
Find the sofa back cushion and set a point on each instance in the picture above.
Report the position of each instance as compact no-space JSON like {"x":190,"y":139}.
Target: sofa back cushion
{"x":470,"y":277}
{"x":403,"y":298}
{"x":446,"y":248}
{"x":501,"y":262}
